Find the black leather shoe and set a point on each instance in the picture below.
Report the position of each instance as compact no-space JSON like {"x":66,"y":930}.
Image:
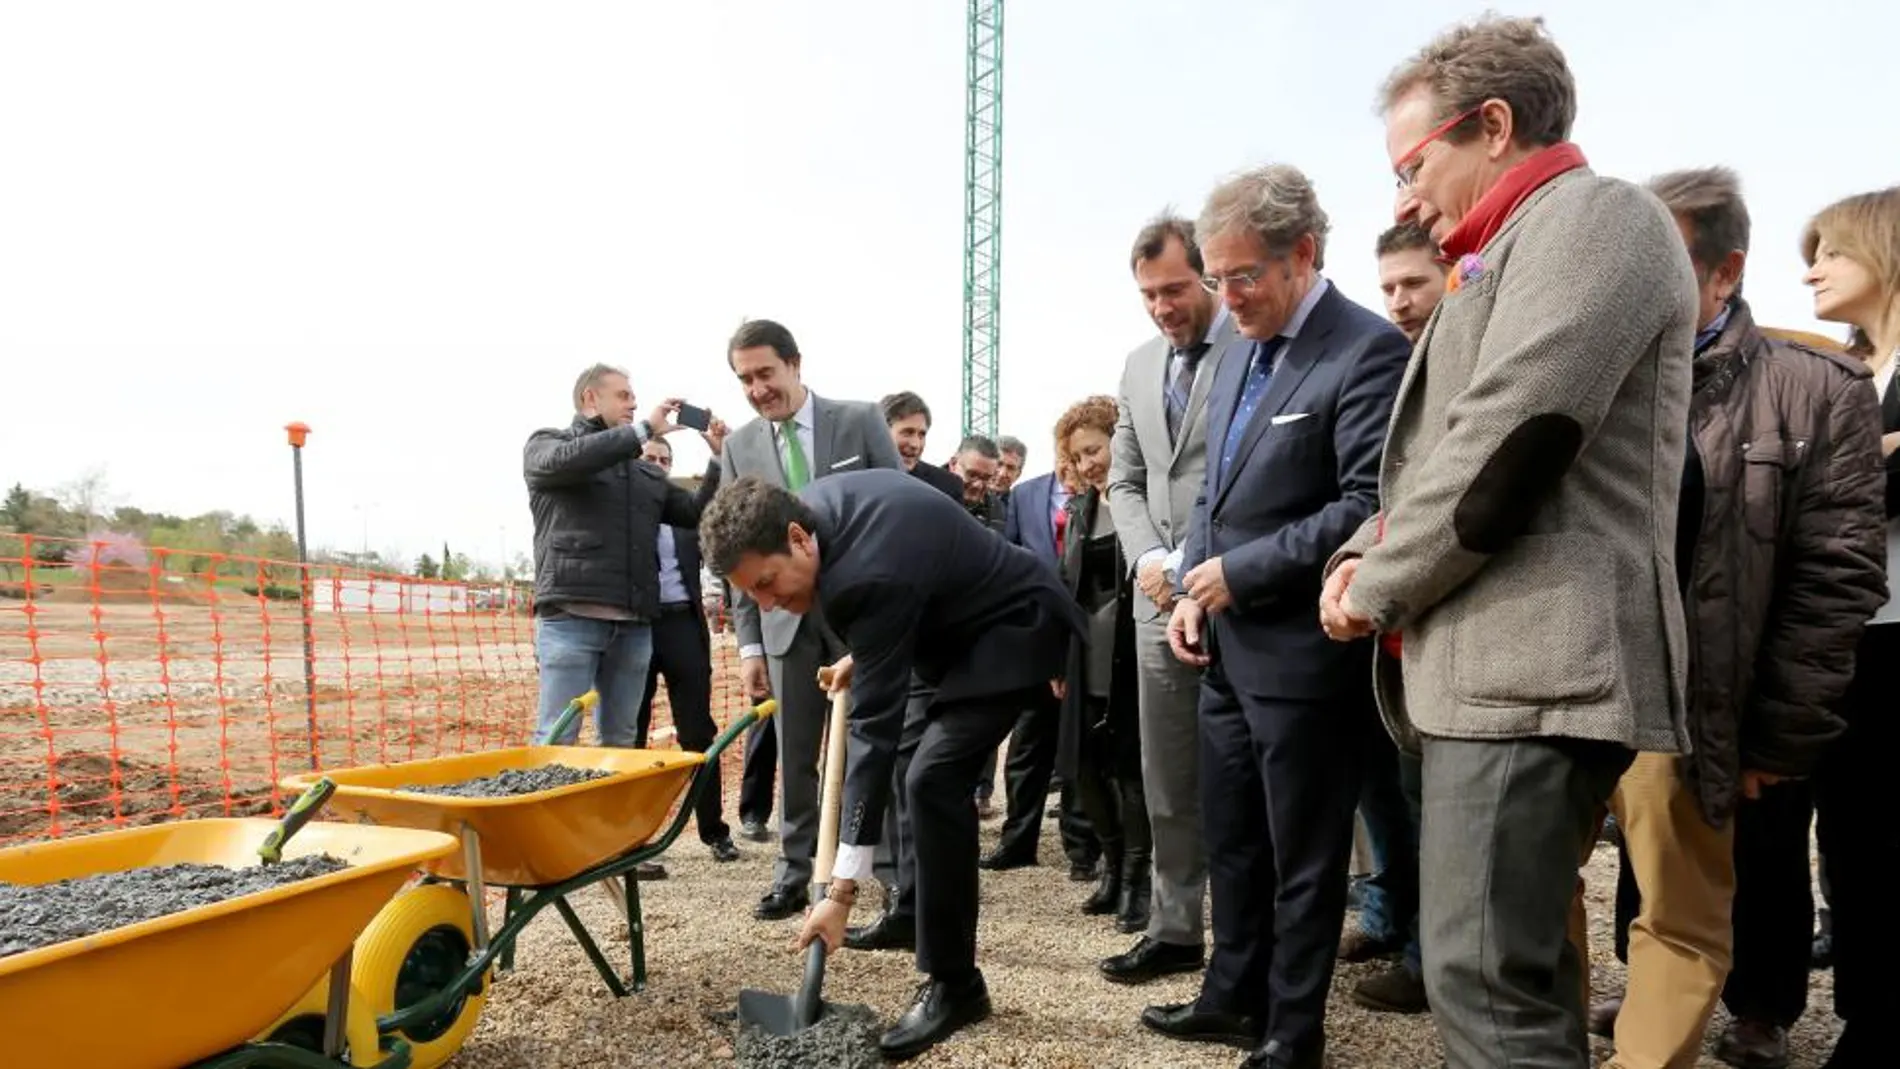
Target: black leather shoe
{"x":649,"y":870}
{"x":1001,"y":860}
{"x":1150,"y":960}
{"x":1081,"y":873}
{"x":1274,"y":1054}
{"x":723,"y":850}
{"x":781,"y":902}
{"x":754,"y":830}
{"x":888,"y":932}
{"x":938,"y":1010}
{"x":1183,"y":1020}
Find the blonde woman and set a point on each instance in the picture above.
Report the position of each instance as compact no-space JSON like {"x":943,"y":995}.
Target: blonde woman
{"x":1853,"y":252}
{"x":1099,"y":745}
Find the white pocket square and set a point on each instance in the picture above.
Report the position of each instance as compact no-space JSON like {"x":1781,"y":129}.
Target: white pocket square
{"x":852,"y":459}
{"x":1290,"y":417}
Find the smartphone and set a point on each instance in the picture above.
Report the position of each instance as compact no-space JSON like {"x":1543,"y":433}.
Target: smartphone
{"x":693,"y":417}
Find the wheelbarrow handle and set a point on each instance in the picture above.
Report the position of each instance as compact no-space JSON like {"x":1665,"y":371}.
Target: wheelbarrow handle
{"x":301,"y":811}
{"x":575,"y":708}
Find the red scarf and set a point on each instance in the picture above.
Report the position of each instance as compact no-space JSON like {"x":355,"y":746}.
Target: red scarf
{"x":1487,"y":217}
{"x":1480,"y":225}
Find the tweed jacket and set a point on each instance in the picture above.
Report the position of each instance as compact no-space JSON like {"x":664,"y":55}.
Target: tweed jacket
{"x":1525,"y":548}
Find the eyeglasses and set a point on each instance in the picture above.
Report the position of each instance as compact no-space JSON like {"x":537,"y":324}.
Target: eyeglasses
{"x":1407,"y":167}
{"x":1240,"y":280}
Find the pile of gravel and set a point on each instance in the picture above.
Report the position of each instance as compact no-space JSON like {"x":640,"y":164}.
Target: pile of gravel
{"x":844,"y":1038}
{"x":513,"y":781}
{"x":37,"y":915}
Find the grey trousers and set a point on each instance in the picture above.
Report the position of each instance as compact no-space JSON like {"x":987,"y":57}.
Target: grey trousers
{"x":1170,"y":777}
{"x":1504,"y":826}
{"x":803,"y":712}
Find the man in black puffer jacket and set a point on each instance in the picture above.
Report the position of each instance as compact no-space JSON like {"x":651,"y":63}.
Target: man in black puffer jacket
{"x":597,"y":511}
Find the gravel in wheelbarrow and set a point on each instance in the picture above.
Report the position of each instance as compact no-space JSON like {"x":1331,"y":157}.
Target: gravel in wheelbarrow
{"x":513,"y":781}
{"x":37,"y":915}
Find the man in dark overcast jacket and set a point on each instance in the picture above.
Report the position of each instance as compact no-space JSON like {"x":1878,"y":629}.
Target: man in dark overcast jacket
{"x":597,"y":511}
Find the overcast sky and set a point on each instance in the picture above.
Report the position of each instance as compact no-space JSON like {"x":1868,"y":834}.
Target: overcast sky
{"x":411,"y":224}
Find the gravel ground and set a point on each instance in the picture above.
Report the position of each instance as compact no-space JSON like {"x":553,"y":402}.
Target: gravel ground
{"x":1037,"y":952}
{"x":40,"y":915}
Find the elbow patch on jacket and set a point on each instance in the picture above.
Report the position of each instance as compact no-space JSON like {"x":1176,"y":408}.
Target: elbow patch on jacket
{"x":1514,"y":482}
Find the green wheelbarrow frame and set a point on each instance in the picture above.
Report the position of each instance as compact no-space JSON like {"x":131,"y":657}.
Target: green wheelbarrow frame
{"x":525,"y":902}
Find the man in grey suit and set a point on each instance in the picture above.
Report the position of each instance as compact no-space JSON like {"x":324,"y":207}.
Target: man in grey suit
{"x":1522,"y":570}
{"x":797,"y":438}
{"x":1295,"y":427}
{"x":1159,"y":460}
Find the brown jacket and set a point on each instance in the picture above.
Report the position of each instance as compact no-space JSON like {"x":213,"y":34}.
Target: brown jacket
{"x":1789,"y":558}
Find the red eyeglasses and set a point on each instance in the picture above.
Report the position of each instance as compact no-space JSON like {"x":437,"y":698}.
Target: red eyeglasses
{"x":1407,"y":167}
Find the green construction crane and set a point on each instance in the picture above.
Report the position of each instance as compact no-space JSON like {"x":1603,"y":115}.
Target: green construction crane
{"x":982,"y":215}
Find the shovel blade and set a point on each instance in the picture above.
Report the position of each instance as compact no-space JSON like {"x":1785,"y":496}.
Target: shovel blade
{"x":775,"y":1014}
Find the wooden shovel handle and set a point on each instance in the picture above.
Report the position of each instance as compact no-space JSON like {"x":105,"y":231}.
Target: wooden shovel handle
{"x":834,"y":789}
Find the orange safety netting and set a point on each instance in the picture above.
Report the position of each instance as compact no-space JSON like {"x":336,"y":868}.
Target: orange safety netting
{"x":141,"y":683}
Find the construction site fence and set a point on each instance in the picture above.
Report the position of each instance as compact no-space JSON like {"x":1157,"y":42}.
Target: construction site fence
{"x":139,"y":683}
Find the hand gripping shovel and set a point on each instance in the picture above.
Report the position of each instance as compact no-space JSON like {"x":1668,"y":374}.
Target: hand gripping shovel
{"x":780,"y":1015}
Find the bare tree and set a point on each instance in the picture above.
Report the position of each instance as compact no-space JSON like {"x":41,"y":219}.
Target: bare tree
{"x":88,"y":495}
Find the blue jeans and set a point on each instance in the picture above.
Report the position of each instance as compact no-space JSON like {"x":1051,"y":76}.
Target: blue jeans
{"x":575,"y":655}
{"x":1389,"y":802}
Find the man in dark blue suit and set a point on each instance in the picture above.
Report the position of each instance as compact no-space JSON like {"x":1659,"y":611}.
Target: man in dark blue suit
{"x":1296,"y":424}
{"x":912,"y":583}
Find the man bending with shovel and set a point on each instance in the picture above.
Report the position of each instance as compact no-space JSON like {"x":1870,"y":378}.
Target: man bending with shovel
{"x":908,"y":580}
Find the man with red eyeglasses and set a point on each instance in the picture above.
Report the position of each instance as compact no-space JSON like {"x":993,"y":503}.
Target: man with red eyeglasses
{"x":1521,"y":570}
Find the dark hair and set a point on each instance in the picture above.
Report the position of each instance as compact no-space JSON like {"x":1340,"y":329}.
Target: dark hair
{"x":902,"y":405}
{"x":1154,"y":237}
{"x":1403,"y":237}
{"x":750,"y":516}
{"x":980,"y":444}
{"x":1009,"y":443}
{"x":662,"y":443}
{"x":756,"y":332}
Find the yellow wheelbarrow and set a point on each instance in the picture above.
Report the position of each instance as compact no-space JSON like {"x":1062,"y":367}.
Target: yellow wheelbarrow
{"x":423,"y":962}
{"x":200,"y":987}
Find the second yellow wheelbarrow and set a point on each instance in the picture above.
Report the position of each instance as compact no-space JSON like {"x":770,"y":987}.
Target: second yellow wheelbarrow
{"x":423,"y":963}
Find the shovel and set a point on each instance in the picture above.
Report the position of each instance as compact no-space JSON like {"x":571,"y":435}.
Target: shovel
{"x":300,"y":812}
{"x":782,"y":1015}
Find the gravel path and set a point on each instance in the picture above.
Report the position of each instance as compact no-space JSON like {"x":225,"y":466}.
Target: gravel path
{"x":1037,"y":952}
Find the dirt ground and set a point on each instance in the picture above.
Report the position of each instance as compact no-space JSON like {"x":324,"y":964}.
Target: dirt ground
{"x":136,"y":709}
{"x":1038,"y":953}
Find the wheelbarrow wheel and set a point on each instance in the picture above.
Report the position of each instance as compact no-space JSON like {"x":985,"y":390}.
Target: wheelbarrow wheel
{"x":415,"y":949}
{"x":301,"y":1026}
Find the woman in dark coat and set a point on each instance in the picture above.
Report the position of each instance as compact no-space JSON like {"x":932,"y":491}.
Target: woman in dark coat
{"x":1099,"y":748}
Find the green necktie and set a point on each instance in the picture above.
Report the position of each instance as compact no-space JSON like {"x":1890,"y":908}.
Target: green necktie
{"x":797,"y":473}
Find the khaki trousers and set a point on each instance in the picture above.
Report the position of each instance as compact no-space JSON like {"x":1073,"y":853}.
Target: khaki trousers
{"x":1680,"y":941}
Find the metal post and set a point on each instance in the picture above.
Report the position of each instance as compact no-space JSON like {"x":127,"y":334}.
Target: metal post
{"x":298,"y":434}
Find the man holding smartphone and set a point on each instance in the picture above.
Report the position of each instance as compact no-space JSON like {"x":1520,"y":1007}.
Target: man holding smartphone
{"x":597,"y":513}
